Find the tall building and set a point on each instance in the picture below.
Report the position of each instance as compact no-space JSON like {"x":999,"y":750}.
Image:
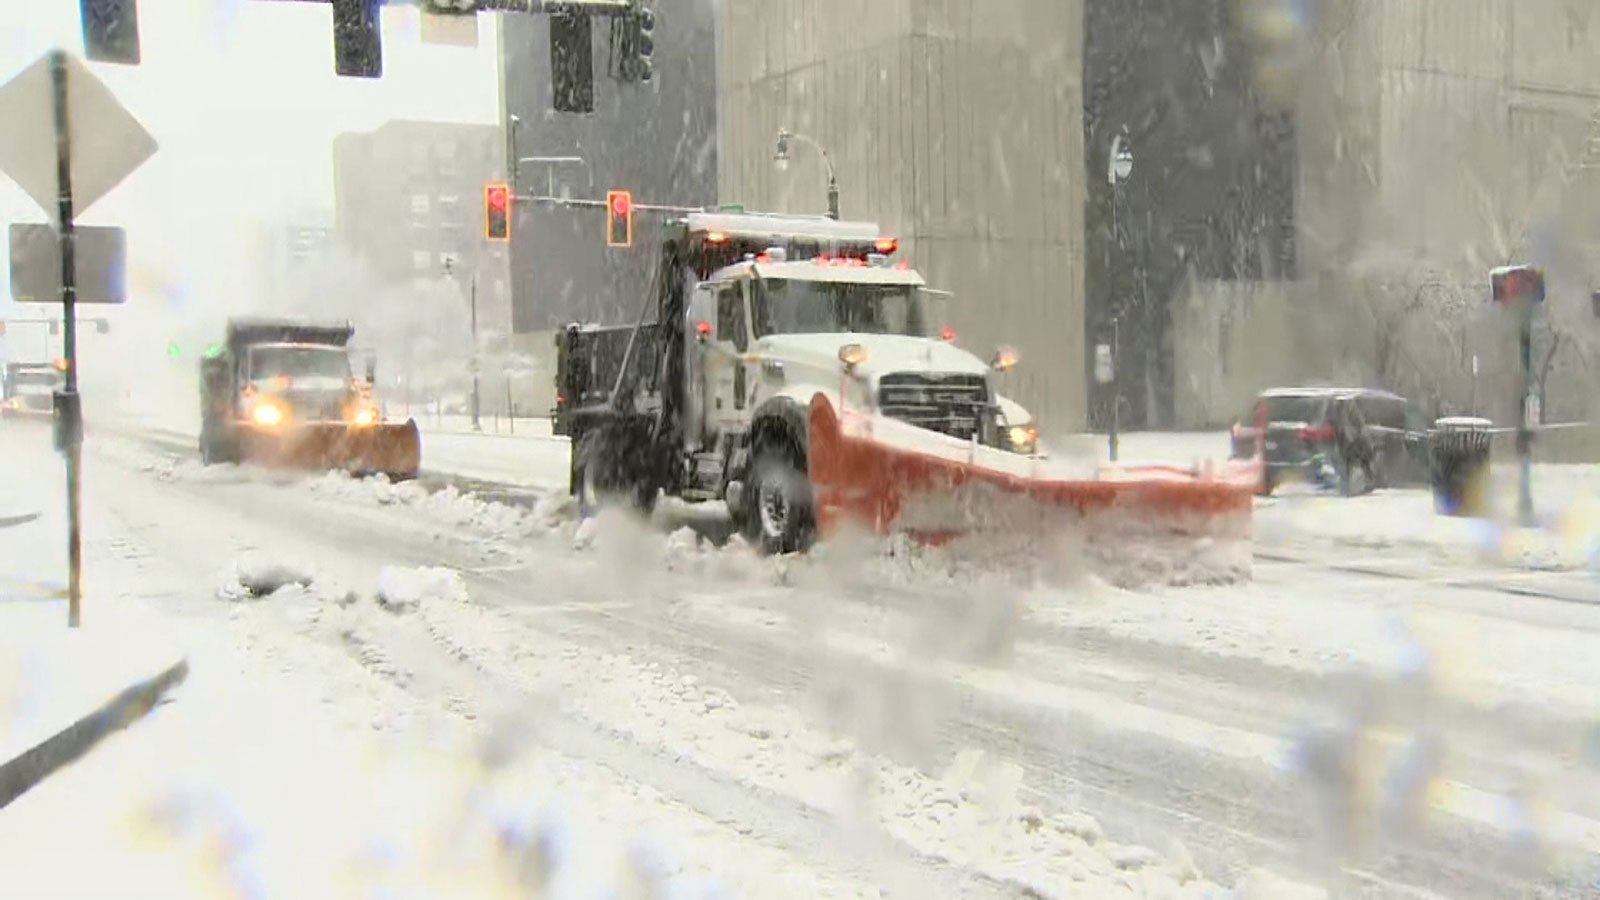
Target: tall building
{"x":409,"y":204}
{"x":657,"y":139}
{"x":1277,"y":153}
{"x":957,"y":126}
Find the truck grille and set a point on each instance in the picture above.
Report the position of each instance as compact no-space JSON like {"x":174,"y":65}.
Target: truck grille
{"x":315,"y":406}
{"x":948,"y":404}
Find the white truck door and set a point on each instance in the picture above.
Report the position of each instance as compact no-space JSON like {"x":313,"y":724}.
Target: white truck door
{"x":724,"y":360}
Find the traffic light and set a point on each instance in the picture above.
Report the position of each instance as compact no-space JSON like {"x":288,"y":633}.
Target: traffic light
{"x":110,"y":30}
{"x":1511,"y":284}
{"x":644,"y":42}
{"x":571,"y":63}
{"x":173,"y":350}
{"x":357,"y":38}
{"x":619,"y":219}
{"x":497,"y":211}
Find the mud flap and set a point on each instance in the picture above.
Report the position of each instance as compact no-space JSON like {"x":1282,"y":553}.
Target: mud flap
{"x":1132,"y":525}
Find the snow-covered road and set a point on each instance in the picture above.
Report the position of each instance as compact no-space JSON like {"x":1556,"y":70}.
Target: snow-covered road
{"x":836,"y":725}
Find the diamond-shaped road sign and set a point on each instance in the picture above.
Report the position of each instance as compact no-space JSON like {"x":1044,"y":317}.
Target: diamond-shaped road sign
{"x":107,"y":142}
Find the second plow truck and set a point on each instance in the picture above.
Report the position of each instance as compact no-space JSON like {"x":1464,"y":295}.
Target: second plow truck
{"x":283,"y":393}
{"x":791,"y":371}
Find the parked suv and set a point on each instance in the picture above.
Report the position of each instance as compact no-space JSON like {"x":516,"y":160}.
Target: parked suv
{"x":1302,"y":437}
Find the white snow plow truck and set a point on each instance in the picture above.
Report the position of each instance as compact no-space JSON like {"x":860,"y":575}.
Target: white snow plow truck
{"x":791,"y":372}
{"x":283,"y":393}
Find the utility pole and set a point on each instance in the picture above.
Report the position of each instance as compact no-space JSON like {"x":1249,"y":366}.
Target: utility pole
{"x":477,"y":424}
{"x":68,"y":411}
{"x":1527,"y":405}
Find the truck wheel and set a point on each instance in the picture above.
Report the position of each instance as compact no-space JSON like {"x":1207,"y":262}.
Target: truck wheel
{"x":216,"y":449}
{"x":599,"y":480}
{"x":780,"y":517}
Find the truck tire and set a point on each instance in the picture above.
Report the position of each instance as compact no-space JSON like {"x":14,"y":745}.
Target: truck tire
{"x":600,"y":479}
{"x":216,"y":449}
{"x":780,"y":516}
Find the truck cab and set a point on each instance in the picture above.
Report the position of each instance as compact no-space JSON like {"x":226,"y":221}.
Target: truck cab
{"x":755,"y":316}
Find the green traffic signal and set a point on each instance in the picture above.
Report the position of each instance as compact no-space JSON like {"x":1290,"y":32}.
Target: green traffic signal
{"x":173,"y":351}
{"x":213,"y":351}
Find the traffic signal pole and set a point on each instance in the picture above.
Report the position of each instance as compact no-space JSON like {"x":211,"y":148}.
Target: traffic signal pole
{"x":1525,"y":426}
{"x":477,"y":423}
{"x":68,"y":413}
{"x":601,"y":204}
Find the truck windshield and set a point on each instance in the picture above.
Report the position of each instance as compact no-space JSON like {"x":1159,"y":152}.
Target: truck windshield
{"x":299,"y":362}
{"x":785,"y":306}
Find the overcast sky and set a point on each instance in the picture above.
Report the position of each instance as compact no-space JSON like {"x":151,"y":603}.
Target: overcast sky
{"x":242,"y":98}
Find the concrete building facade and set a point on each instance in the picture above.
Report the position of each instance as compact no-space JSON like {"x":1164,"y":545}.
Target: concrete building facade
{"x":657,"y":139}
{"x":1307,"y":177}
{"x":957,"y":126}
{"x":408,"y":202}
{"x":1437,"y":139}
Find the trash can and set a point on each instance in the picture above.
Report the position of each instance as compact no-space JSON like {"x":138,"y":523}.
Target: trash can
{"x":1458,"y":451}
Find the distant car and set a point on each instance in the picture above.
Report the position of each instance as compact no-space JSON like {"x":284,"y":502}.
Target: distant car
{"x":30,"y":387}
{"x":1302,"y":440}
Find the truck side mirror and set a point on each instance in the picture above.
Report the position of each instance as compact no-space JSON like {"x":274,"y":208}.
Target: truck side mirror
{"x":372,"y":370}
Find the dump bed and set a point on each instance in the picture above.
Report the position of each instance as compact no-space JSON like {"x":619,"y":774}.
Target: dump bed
{"x":247,"y":331}
{"x":589,"y":359}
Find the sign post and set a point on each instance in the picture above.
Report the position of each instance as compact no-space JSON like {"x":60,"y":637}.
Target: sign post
{"x":96,"y":143}
{"x":68,"y":410}
{"x":1521,"y":288}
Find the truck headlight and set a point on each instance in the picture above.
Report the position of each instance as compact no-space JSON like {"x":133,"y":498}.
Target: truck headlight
{"x":267,"y":414}
{"x":1024,"y":438}
{"x":364,"y":416}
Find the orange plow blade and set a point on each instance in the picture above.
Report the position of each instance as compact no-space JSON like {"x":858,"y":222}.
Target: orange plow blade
{"x":1128,"y":526}
{"x":394,"y":450}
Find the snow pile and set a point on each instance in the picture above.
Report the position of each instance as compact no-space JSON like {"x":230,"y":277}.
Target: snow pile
{"x":259,"y":577}
{"x":1565,"y":539}
{"x":448,"y":506}
{"x":403,"y":589}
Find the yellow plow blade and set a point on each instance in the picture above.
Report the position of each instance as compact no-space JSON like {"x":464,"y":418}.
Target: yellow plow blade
{"x":394,"y":450}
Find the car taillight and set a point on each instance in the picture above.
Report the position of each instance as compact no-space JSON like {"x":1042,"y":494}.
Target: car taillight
{"x":1323,"y":432}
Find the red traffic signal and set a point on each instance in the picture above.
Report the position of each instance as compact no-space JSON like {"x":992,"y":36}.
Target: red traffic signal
{"x":619,"y":219}
{"x":1511,"y":284}
{"x":497,"y":212}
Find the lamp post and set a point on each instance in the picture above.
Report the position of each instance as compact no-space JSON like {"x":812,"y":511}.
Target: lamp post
{"x":781,"y":158}
{"x":449,"y":266}
{"x":1119,"y":165}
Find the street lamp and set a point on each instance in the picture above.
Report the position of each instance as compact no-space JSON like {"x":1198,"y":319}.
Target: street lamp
{"x":781,"y":159}
{"x":1119,"y":165}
